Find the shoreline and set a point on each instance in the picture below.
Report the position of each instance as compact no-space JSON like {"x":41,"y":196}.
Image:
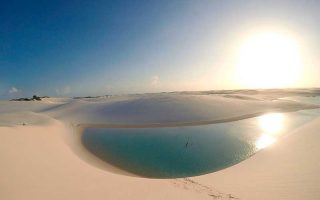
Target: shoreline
{"x":74,"y":141}
{"x":105,"y":165}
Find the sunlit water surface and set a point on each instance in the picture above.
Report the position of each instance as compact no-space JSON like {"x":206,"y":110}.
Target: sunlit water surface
{"x":191,"y":150}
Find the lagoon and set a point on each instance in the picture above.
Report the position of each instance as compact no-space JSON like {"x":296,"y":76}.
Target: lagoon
{"x":173,"y":152}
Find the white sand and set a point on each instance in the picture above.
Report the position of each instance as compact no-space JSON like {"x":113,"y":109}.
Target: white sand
{"x":40,"y":156}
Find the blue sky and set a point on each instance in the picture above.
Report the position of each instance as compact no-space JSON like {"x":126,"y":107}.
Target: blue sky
{"x":77,"y":48}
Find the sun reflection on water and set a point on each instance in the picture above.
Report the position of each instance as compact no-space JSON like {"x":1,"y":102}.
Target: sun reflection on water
{"x":271,"y":125}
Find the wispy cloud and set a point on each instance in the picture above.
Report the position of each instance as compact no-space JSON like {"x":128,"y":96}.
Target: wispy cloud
{"x":155,"y":80}
{"x":13,"y":90}
{"x":63,"y":91}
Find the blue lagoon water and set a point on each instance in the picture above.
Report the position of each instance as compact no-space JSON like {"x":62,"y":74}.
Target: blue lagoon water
{"x":170,"y":152}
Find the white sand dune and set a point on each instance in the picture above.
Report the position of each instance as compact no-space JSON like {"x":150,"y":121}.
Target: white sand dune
{"x":41,"y":158}
{"x":165,"y":108}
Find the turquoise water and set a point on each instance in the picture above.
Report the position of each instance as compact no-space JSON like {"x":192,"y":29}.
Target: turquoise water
{"x":191,"y":150}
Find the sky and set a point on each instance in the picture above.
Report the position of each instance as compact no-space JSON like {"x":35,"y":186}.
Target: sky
{"x":81,"y":48}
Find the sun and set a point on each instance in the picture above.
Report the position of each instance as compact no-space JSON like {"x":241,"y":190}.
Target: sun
{"x":268,"y":60}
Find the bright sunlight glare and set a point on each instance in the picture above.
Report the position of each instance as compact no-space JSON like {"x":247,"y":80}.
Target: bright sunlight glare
{"x":271,"y":125}
{"x":268,"y":60}
{"x":265,"y":141}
